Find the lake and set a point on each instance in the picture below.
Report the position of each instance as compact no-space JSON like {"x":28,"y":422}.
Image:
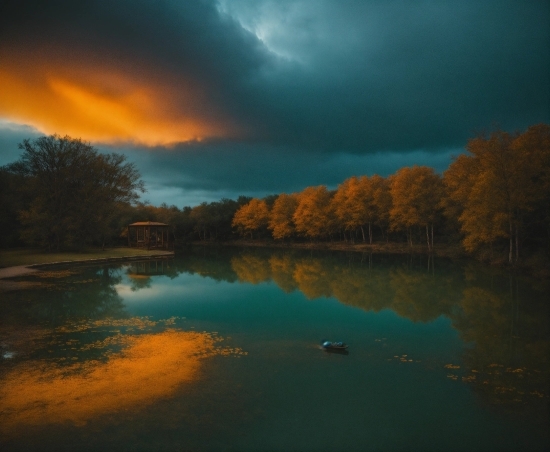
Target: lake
{"x":219,"y":349}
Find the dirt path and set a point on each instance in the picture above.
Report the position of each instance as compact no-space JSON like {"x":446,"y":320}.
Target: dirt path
{"x":12,"y":272}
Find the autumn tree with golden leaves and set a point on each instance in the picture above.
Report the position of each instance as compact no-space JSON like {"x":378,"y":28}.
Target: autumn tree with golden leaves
{"x":341,"y":204}
{"x":251,"y":217}
{"x":381,"y":203}
{"x":501,"y":187}
{"x":362,"y":202}
{"x":281,"y":221}
{"x":416,"y":200}
{"x":313,"y":216}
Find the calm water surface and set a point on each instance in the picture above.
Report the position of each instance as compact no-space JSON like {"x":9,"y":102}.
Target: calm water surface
{"x":219,"y":350}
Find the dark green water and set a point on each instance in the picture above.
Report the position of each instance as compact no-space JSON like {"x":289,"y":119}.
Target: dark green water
{"x":218,"y":350}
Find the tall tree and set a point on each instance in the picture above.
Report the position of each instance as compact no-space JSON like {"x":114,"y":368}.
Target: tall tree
{"x":381,"y":203}
{"x":314,"y":217}
{"x":499,"y":184}
{"x":199,"y":216}
{"x":75,"y":190}
{"x":416,"y":200}
{"x":281,"y":223}
{"x":363,"y":209}
{"x":12,"y":200}
{"x":533,"y":149}
{"x":174,"y":218}
{"x":251,"y":217}
{"x":342,"y":205}
{"x":458,"y":181}
{"x":361,"y":203}
{"x":371,"y":204}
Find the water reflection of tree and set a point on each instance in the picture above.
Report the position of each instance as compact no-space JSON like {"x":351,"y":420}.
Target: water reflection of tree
{"x":208,"y":262}
{"x":362,"y":287}
{"x":87,"y":293}
{"x":141,"y":273}
{"x":31,"y":318}
{"x":508,"y":362}
{"x":138,"y":282}
{"x":420,"y":296}
{"x":282,"y":271}
{"x":413,"y":292}
{"x":250,"y":268}
{"x":501,"y":315}
{"x":508,"y":323}
{"x":312,"y":277}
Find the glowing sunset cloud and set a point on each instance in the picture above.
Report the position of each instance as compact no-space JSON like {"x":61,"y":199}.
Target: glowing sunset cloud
{"x":98,"y":104}
{"x":151,"y":367}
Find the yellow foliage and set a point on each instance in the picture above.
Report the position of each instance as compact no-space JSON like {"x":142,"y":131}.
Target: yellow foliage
{"x":281,"y":223}
{"x":416,"y":193}
{"x":362,"y":201}
{"x":502,"y":178}
{"x":251,"y":217}
{"x":313,"y":216}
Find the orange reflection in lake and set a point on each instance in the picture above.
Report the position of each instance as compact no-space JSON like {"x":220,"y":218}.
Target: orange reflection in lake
{"x":153,"y":366}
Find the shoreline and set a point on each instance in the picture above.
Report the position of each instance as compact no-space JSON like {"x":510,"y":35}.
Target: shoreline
{"x":22,"y":270}
{"x":453,"y":252}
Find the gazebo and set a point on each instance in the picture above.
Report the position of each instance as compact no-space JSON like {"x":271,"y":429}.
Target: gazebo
{"x":148,"y":234}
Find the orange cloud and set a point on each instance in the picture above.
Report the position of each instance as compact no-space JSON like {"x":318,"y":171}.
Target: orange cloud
{"x":106,"y":105}
{"x":153,"y":366}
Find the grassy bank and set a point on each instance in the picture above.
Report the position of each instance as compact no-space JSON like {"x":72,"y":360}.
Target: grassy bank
{"x":451,"y":251}
{"x":11,"y":258}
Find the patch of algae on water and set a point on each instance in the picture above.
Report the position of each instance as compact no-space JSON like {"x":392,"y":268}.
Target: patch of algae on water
{"x":55,"y":274}
{"x":140,"y":323}
{"x":150,"y":367}
{"x":451,"y":366}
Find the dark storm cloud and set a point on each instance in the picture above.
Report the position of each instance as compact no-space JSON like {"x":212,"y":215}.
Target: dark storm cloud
{"x":188,"y":38}
{"x":321,"y":89}
{"x":189,"y":43}
{"x":209,"y":172}
{"x":353,"y":76}
{"x":383,"y":75}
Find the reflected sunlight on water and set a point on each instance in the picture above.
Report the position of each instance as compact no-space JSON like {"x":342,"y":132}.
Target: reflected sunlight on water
{"x":150,"y":367}
{"x":443,"y":355}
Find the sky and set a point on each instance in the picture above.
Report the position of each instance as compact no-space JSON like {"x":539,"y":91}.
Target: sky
{"x":216,"y":99}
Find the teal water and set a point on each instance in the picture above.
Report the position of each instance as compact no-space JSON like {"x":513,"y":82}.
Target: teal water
{"x":218,"y":349}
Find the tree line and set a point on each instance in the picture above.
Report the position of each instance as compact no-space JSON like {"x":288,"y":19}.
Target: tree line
{"x":494,"y":199}
{"x":63,"y":194}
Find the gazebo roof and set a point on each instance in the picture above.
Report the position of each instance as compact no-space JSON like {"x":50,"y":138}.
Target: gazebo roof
{"x":147,"y":223}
